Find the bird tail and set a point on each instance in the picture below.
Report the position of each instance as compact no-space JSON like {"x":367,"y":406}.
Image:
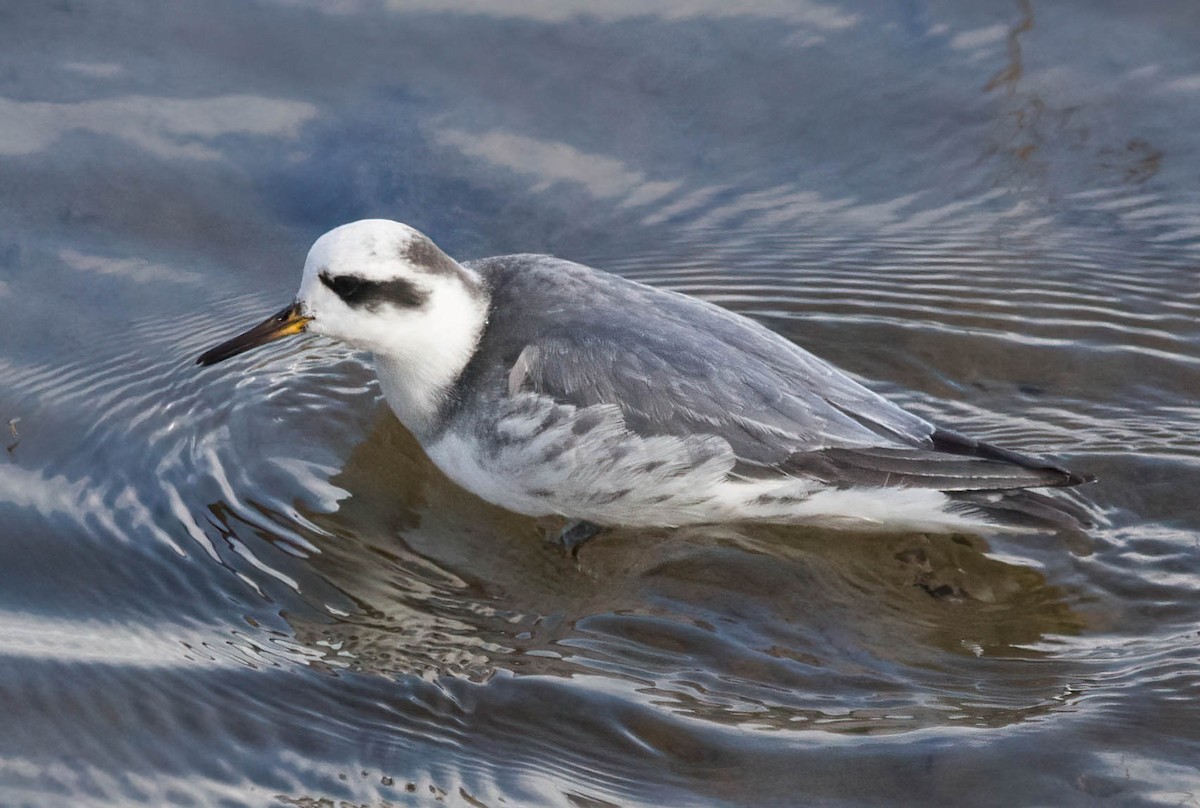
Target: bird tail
{"x":1029,"y":510}
{"x":950,"y":442}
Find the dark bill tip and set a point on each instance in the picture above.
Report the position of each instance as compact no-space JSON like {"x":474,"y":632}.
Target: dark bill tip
{"x":284,"y":323}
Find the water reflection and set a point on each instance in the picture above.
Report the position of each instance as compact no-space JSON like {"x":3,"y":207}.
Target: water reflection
{"x":758,"y":626}
{"x":818,"y":15}
{"x":169,"y":128}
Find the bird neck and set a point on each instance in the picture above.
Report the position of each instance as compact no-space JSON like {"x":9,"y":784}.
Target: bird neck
{"x":418,"y":372}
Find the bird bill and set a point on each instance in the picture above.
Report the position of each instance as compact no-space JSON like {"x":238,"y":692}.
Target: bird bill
{"x":284,"y":323}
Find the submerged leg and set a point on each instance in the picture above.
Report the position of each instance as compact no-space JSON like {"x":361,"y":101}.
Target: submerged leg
{"x":575,"y":534}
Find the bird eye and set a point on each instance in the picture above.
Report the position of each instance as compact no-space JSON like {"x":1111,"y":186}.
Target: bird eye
{"x":344,"y":286}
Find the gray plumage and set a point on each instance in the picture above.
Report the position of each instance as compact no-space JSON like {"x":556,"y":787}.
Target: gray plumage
{"x":548,"y":387}
{"x":675,"y":365}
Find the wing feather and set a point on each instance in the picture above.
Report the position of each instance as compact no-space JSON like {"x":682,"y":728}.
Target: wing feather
{"x":676,"y":365}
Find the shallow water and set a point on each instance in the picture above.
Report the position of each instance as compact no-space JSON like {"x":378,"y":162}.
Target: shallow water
{"x":247,"y":586}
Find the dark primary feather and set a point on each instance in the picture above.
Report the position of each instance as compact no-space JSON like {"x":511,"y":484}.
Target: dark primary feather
{"x":676,"y":365}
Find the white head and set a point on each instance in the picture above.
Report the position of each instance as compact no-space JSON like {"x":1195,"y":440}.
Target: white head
{"x":384,"y":287}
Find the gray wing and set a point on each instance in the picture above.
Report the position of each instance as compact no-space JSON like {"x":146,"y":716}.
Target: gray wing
{"x":686,"y":367}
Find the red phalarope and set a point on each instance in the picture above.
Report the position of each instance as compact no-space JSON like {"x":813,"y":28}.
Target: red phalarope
{"x":548,"y":387}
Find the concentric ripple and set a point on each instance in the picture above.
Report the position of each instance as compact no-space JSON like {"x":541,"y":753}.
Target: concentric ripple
{"x":279,"y":485}
{"x":246,"y":585}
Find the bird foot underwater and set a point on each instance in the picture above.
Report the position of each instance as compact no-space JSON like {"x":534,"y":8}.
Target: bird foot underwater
{"x":575,"y":534}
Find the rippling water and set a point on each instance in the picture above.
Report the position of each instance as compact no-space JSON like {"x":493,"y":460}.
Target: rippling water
{"x":248,"y":586}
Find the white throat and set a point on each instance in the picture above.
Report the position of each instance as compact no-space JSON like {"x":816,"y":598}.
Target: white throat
{"x":419,"y":363}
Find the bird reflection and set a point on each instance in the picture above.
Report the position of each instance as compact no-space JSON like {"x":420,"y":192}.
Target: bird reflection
{"x":769,"y":625}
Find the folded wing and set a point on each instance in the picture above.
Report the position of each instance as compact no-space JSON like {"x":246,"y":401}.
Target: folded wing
{"x":782,"y":410}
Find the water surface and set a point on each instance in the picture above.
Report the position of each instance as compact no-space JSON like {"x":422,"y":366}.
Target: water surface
{"x":247,"y":586}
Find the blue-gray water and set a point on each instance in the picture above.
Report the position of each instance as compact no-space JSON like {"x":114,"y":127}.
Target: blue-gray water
{"x":246,"y":586}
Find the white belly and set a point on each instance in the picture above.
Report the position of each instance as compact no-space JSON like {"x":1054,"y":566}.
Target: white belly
{"x":539,"y":463}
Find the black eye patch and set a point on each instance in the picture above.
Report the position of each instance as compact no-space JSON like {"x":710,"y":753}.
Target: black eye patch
{"x":362,"y":293}
{"x":344,"y":286}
